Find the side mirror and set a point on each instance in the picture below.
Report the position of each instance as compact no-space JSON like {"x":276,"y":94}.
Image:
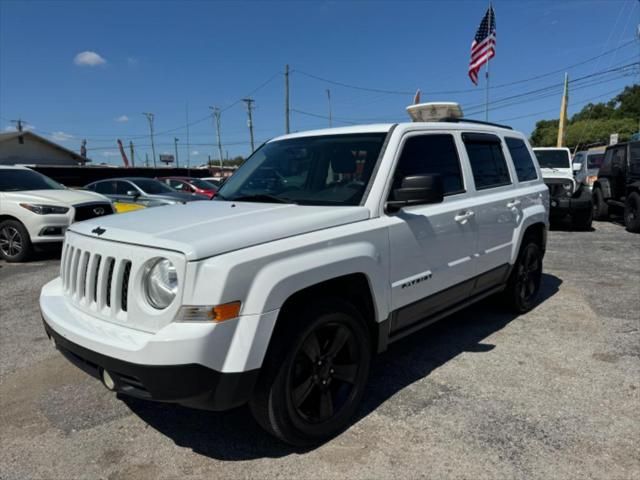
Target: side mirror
{"x":133,"y":193}
{"x":417,"y":190}
{"x":577,"y":167}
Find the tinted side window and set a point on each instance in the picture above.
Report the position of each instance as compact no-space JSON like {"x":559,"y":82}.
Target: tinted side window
{"x":123,"y":187}
{"x":634,"y":160}
{"x":105,"y":188}
{"x":522,"y":160}
{"x":487,"y":161}
{"x":436,"y":154}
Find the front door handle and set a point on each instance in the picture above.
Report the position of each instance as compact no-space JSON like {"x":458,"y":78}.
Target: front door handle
{"x":513,"y":204}
{"x":462,"y":217}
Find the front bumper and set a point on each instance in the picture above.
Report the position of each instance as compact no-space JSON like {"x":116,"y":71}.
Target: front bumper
{"x":563,"y":206}
{"x":191,"y":385}
{"x":198,"y":364}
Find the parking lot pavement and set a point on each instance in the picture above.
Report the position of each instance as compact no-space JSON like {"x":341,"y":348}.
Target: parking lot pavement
{"x":551,"y":394}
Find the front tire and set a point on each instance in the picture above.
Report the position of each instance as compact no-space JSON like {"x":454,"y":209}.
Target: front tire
{"x":632,"y":213}
{"x":600,"y":207}
{"x":15,"y":243}
{"x":314,"y":375}
{"x":524,"y":282}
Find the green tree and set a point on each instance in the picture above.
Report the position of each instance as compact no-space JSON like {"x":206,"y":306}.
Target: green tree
{"x":595,"y":122}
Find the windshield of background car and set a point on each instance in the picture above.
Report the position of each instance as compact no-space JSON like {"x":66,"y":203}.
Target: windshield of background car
{"x":320,"y":170}
{"x":595,"y":160}
{"x":202,"y":184}
{"x":153,"y":187}
{"x":19,"y":180}
{"x":553,"y":158}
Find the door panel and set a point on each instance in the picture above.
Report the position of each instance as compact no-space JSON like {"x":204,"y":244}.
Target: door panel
{"x":431,"y":251}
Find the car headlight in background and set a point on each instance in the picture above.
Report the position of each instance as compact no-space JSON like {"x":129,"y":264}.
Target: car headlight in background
{"x":160,"y":283}
{"x":568,"y":188}
{"x":45,"y":209}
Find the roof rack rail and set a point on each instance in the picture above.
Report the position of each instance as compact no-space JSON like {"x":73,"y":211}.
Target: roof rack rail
{"x":468,"y":120}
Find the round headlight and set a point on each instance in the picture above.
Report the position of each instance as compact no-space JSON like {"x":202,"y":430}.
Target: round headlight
{"x":160,"y":283}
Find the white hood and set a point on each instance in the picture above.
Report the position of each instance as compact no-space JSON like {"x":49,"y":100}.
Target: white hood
{"x":205,"y":229}
{"x":62,"y":197}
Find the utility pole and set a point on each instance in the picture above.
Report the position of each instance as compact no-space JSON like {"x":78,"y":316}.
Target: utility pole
{"x":217,"y":113}
{"x":175,"y":145}
{"x":329,"y":100}
{"x":188,"y":143}
{"x":250,"y":102}
{"x":563,"y":113}
{"x":153,"y":147}
{"x":286,"y":99}
{"x":132,"y":152}
{"x":146,"y":159}
{"x":19,"y":129}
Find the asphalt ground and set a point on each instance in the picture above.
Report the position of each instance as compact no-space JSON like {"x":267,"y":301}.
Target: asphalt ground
{"x":483,"y":394}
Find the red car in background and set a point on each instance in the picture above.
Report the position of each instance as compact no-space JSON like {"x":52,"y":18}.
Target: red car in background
{"x":191,"y":185}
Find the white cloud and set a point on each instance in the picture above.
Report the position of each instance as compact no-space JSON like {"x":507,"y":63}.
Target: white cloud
{"x":122,"y":119}
{"x":61,"y":136}
{"x":89,"y":59}
{"x":25,"y":126}
{"x":195,"y":152}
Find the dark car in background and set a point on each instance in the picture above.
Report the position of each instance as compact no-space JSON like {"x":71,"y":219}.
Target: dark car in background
{"x":618,"y":184}
{"x":191,"y":185}
{"x":148,"y":192}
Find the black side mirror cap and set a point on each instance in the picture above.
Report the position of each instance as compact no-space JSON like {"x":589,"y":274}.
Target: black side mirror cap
{"x":417,"y":190}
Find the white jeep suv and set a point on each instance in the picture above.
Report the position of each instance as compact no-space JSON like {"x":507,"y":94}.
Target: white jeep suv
{"x":35,"y":210}
{"x":323,"y":248}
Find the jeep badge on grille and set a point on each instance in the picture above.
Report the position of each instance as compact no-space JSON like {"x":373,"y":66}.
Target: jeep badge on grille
{"x":98,"y":231}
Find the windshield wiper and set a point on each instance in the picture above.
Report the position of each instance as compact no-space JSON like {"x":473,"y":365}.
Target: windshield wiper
{"x":261,"y":197}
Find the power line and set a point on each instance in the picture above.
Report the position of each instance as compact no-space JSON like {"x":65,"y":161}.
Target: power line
{"x":470,"y":90}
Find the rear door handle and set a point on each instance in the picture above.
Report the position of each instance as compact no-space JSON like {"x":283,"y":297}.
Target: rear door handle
{"x":513,"y":204}
{"x":464,"y":216}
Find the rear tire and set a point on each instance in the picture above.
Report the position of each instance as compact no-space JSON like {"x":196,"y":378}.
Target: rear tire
{"x":314,"y":375}
{"x":600,"y":207}
{"x":15,"y":242}
{"x":632,"y":213}
{"x":524,"y":282}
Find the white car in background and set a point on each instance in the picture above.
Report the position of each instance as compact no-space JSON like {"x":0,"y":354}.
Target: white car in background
{"x":36,"y":210}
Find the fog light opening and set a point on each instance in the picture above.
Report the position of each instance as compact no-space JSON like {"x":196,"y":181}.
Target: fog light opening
{"x":108,"y":380}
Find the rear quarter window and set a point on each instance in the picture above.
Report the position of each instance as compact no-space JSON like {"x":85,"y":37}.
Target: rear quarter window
{"x":522,"y":161}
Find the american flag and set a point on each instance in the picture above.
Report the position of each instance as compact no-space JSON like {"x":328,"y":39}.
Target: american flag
{"x":484,"y":44}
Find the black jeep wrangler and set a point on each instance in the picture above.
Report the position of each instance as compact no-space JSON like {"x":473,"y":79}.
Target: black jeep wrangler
{"x":618,"y":184}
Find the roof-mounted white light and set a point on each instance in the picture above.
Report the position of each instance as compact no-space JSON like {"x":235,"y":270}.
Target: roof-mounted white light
{"x":434,"y":111}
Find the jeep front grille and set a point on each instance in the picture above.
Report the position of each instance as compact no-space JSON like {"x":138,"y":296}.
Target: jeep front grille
{"x":556,"y":188}
{"x":90,"y":280}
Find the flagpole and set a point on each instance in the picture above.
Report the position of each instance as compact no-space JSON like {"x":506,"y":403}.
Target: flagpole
{"x":486,"y":98}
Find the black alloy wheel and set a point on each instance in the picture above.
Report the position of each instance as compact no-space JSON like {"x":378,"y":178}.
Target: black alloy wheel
{"x":526,"y":277}
{"x":324,"y":372}
{"x":315,"y":373}
{"x":529,"y":274}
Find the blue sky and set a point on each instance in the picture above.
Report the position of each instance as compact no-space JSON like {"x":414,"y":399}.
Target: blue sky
{"x":160,"y":56}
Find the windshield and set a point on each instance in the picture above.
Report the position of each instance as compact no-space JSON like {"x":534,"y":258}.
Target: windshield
{"x":202,"y":184}
{"x":18,"y":180}
{"x":553,"y":158}
{"x":594,"y":160}
{"x":153,"y":187}
{"x":320,"y":170}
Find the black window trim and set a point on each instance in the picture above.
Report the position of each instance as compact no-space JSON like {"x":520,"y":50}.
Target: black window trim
{"x":491,"y":138}
{"x":423,"y":133}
